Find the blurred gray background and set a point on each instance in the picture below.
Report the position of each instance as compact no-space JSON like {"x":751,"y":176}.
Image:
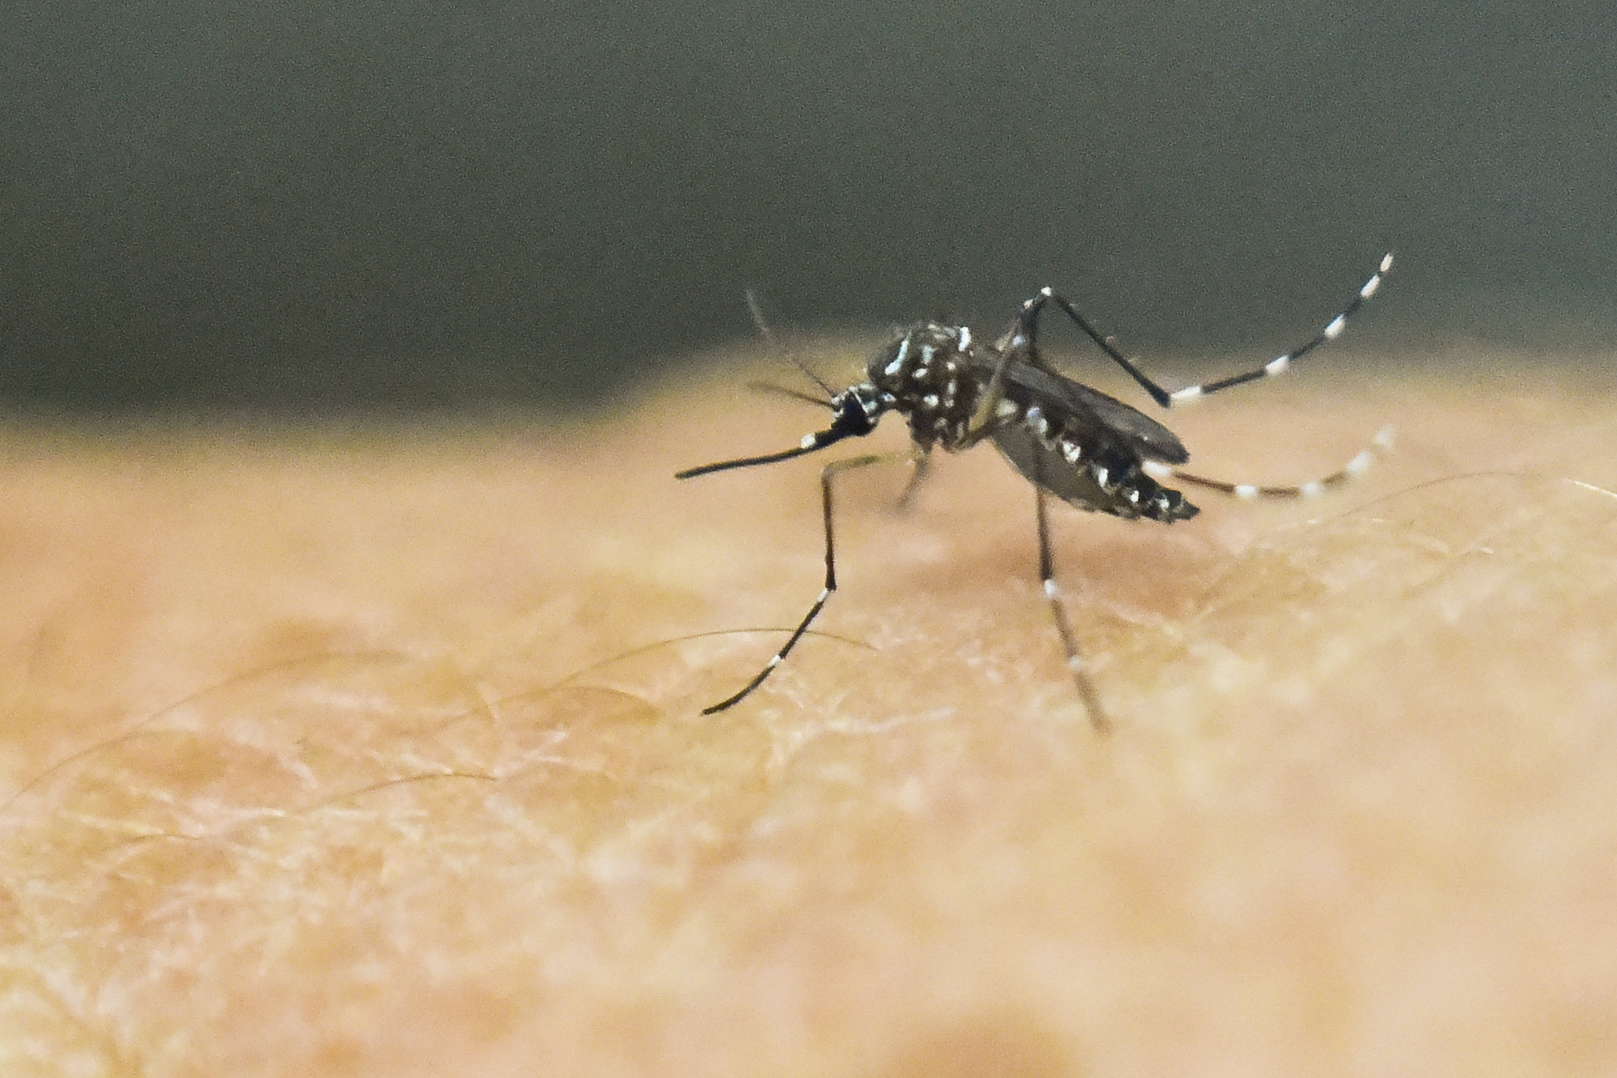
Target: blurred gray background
{"x":415,"y":204}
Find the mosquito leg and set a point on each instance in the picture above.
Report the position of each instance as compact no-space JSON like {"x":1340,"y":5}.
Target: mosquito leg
{"x":1247,"y":491}
{"x":1052,"y":592}
{"x":830,"y":472}
{"x":1333,"y":329}
{"x":1028,"y":330}
{"x":923,"y":468}
{"x":982,"y":420}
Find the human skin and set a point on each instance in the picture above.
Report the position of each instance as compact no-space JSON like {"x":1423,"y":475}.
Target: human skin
{"x":381,"y":751}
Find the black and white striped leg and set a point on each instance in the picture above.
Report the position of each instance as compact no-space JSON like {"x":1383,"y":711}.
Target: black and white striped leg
{"x":1069,"y":643}
{"x":1028,"y":331}
{"x":1280,"y":364}
{"x":830,"y":472}
{"x":1248,"y":491}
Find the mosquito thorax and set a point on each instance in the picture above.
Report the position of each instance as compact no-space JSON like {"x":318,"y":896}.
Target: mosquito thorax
{"x":928,"y":374}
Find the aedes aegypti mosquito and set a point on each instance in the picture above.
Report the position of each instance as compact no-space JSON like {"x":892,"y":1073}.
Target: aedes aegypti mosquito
{"x":1069,"y":440}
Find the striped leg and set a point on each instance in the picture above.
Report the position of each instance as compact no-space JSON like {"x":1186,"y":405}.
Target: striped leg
{"x":1052,"y":592}
{"x":1280,"y":364}
{"x":1349,"y":471}
{"x":1027,"y":329}
{"x":830,"y":472}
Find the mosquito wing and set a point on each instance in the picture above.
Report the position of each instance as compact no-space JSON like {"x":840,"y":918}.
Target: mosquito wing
{"x":1112,"y":440}
{"x":1045,"y":467}
{"x":1090,"y":416}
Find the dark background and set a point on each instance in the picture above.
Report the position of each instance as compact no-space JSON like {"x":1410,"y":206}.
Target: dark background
{"x":417,"y":204}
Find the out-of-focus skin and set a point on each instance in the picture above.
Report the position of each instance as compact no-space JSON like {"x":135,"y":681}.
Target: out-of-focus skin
{"x":380,"y":753}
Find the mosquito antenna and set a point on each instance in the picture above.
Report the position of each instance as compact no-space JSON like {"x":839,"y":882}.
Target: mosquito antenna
{"x":775,"y":345}
{"x":785,"y":391}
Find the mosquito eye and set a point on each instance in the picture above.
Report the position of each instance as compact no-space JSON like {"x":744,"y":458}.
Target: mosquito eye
{"x":854,"y":414}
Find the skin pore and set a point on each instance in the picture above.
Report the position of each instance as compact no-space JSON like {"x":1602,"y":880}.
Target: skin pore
{"x":380,"y":751}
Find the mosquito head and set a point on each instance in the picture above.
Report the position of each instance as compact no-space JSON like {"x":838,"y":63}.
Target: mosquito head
{"x":854,"y":414}
{"x":856,"y":410}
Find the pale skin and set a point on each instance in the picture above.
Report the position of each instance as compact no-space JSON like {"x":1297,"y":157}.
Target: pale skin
{"x":382,"y":753}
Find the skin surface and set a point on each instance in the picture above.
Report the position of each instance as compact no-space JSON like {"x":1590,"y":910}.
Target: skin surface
{"x":379,"y":752}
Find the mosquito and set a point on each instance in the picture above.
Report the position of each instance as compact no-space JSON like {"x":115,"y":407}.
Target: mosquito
{"x":1068,"y":440}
